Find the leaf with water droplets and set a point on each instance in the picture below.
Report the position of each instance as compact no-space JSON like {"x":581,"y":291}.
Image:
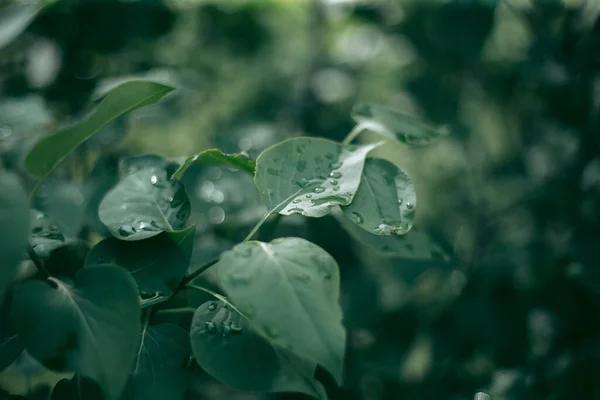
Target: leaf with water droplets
{"x":300,"y":311}
{"x":217,"y":157}
{"x":230,"y":349}
{"x":413,"y":245}
{"x":144,"y":204}
{"x":158,"y":371}
{"x":158,"y":263}
{"x":385,"y":201}
{"x":127,"y":97}
{"x":394,"y":125}
{"x":294,"y":168}
{"x":90,"y":325}
{"x":14,"y":227}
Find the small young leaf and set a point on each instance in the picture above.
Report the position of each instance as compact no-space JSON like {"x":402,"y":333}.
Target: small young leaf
{"x":227,"y":347}
{"x":289,"y":290}
{"x":52,"y":150}
{"x":394,"y":125}
{"x":157,"y":371}
{"x":90,"y":326}
{"x":144,"y":204}
{"x":309,"y":176}
{"x":385,"y":201}
{"x":217,"y":157}
{"x":14,"y":227}
{"x":158,"y":263}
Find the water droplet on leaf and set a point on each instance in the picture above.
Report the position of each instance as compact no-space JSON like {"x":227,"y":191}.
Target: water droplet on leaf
{"x":153,"y":179}
{"x":210,"y":327}
{"x":335,"y":174}
{"x":212,"y":307}
{"x":333,"y":181}
{"x":296,"y":201}
{"x":319,"y":189}
{"x":357,"y":218}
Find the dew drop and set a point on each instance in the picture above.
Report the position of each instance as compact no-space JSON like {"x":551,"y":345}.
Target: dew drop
{"x":226,"y":329}
{"x":333,"y":181}
{"x":236,"y":328}
{"x":409,"y":206}
{"x":308,"y":196}
{"x":210,"y":327}
{"x":335,"y":165}
{"x":336,"y":188}
{"x":399,"y":202}
{"x":153,"y":179}
{"x":212,"y":307}
{"x":319,"y":189}
{"x":296,"y":210}
{"x":335,"y":174}
{"x":296,"y":201}
{"x":357,"y":218}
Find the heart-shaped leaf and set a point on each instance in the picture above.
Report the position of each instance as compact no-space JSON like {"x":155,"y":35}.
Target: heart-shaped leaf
{"x":289,"y":290}
{"x":227,"y":347}
{"x":144,"y":204}
{"x":217,"y":157}
{"x":90,"y":326}
{"x":158,"y":264}
{"x":309,"y":176}
{"x":52,"y":150}
{"x":385,"y":201}
{"x":157,"y":371}
{"x":394,"y":125}
{"x":14,"y":227}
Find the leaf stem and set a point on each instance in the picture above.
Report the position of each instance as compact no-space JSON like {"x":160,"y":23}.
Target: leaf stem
{"x":258,"y":225}
{"x":357,"y":130}
{"x":38,"y":262}
{"x":188,"y":278}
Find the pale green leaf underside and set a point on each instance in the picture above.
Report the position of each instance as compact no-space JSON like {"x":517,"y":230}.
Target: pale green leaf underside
{"x":227,"y":347}
{"x":385,"y":201}
{"x":14,"y":227}
{"x":309,"y":176}
{"x":144,"y":204}
{"x":217,"y":157}
{"x":52,"y":150}
{"x":90,"y":326}
{"x":394,"y":125}
{"x":289,"y":290}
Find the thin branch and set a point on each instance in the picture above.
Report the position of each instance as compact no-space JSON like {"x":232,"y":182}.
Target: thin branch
{"x":38,"y":262}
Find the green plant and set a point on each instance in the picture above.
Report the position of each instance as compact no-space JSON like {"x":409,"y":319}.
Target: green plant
{"x":108,"y":321}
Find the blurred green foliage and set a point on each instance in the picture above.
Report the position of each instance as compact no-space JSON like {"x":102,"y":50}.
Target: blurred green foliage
{"x":513,"y":193}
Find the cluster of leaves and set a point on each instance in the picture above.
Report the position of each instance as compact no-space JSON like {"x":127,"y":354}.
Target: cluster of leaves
{"x":278,"y":317}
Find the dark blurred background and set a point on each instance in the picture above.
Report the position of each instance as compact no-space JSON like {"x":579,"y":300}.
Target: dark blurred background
{"x":512,"y":194}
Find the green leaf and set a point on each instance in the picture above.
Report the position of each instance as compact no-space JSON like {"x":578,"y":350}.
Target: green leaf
{"x":157,"y":371}
{"x":90,"y":326}
{"x":394,"y":125}
{"x":14,"y":227}
{"x":217,"y":157}
{"x":385,"y":201}
{"x":52,"y":150}
{"x":78,"y":388}
{"x":144,"y":204}
{"x":45,"y":234}
{"x":414,"y":245}
{"x":158,"y":264}
{"x":231,"y":350}
{"x":309,"y":176}
{"x":14,"y":19}
{"x":289,"y":290}
{"x":11,"y":345}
